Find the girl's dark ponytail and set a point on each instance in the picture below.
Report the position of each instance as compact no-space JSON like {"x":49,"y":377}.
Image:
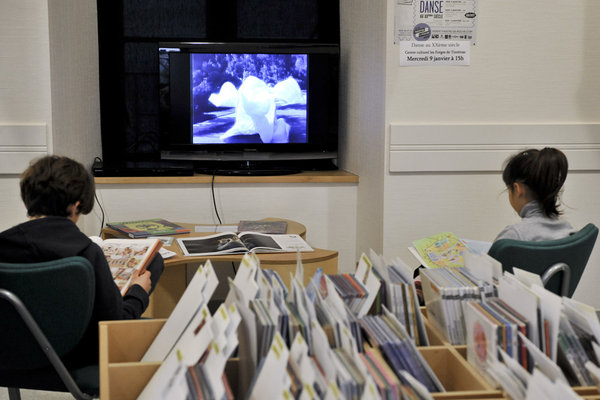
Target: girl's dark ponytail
{"x":543,"y":172}
{"x":550,"y":175}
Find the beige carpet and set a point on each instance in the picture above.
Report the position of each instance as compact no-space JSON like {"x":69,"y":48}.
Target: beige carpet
{"x":36,"y":394}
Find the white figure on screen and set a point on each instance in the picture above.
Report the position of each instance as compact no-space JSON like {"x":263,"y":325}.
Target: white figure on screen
{"x":256,"y":104}
{"x":227,"y":96}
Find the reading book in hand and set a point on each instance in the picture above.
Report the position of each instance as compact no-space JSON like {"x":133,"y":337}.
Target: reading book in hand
{"x":230,"y":243}
{"x":442,"y":250}
{"x":148,"y":227}
{"x":126,"y":255}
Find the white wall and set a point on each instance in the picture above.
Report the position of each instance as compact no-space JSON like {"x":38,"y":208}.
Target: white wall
{"x":328,"y":211}
{"x":73,"y":32}
{"x":48,"y":79}
{"x":528,"y":67}
{"x":24,"y":86}
{"x":362,"y":113}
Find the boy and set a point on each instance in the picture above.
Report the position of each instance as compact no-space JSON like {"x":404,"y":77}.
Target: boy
{"x":56,"y":191}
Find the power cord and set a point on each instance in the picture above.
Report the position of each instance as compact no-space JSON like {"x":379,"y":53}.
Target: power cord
{"x":98,"y":159}
{"x":212,"y":190}
{"x":102,"y":212}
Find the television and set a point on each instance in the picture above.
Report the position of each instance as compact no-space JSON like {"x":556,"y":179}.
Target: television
{"x":249,"y":108}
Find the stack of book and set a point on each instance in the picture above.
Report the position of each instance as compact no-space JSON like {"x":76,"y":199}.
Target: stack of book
{"x":301,"y":342}
{"x":193,"y":346}
{"x":399,"y":295}
{"x":444,"y":291}
{"x":316,"y":342}
{"x":389,"y":336}
{"x":523,"y":338}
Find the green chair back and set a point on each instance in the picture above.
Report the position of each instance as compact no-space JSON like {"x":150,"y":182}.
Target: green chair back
{"x":537,"y":257}
{"x":59,"y":295}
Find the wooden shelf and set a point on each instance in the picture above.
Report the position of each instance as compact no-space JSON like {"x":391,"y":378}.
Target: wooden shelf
{"x":123,"y":376}
{"x":338,"y":176}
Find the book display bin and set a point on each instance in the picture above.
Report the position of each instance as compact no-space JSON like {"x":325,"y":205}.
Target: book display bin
{"x":437,"y":339}
{"x":123,"y":376}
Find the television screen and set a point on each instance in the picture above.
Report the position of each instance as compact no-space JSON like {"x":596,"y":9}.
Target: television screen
{"x":248,"y":98}
{"x":267,"y":103}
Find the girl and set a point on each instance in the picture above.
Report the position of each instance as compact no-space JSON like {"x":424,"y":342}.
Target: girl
{"x":534,"y":179}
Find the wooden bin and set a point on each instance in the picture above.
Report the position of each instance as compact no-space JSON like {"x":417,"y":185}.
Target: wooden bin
{"x":587,"y":392}
{"x":122,"y":346}
{"x":123,"y":376}
{"x":437,"y":338}
{"x":458,"y":377}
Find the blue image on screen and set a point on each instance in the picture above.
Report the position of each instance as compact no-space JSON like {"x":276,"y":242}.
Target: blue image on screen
{"x":249,"y":98}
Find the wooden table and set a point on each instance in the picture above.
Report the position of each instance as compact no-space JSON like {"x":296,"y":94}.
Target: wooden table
{"x":173,"y":281}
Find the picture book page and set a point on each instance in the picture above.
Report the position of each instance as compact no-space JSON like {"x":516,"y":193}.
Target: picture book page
{"x":441,"y":250}
{"x":274,"y":243}
{"x":126,"y":255}
{"x":222,"y":243}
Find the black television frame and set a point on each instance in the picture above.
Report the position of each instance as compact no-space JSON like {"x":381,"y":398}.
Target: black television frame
{"x":320,"y":151}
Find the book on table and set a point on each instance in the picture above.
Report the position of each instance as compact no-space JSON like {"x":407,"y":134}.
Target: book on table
{"x":148,"y":227}
{"x":272,"y":227}
{"x":232,"y":243}
{"x":126,"y":255}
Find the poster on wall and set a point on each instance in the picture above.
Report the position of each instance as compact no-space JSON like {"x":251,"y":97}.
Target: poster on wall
{"x":435,"y":32}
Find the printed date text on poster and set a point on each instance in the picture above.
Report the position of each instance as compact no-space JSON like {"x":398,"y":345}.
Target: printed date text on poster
{"x":435,"y":52}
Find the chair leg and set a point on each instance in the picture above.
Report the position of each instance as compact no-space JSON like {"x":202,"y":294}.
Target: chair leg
{"x":14,"y":393}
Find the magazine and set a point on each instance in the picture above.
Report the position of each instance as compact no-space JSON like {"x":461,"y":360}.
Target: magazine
{"x":148,"y":227}
{"x":231,"y":243}
{"x":273,"y":227}
{"x":126,"y":255}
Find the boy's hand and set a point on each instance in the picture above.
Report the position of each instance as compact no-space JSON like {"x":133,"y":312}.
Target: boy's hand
{"x":142,"y":279}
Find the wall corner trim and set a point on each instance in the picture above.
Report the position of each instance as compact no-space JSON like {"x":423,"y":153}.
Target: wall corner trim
{"x":484,"y":147}
{"x":19,"y":144}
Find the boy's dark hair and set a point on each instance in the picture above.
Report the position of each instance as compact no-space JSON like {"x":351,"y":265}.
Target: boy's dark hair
{"x":543,"y":172}
{"x":53,"y":183}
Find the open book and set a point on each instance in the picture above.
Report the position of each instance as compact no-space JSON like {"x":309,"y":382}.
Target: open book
{"x":231,"y":243}
{"x":445,"y":250}
{"x":126,"y":255}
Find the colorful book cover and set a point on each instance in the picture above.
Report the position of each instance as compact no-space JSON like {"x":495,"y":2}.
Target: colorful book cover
{"x":148,"y":227}
{"x":441,"y":250}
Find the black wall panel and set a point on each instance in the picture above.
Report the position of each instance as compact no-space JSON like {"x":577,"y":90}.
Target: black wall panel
{"x":128,"y":36}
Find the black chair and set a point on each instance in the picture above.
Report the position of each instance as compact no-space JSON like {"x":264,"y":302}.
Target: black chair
{"x":559,"y":262}
{"x":46,"y":308}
